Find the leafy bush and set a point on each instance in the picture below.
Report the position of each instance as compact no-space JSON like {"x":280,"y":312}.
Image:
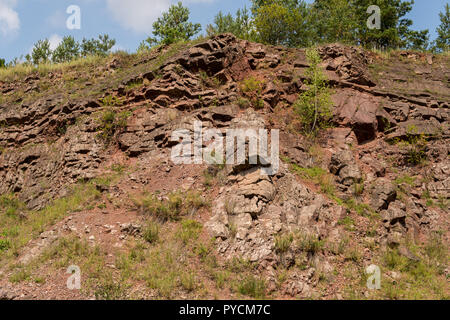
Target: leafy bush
{"x":314,"y":105}
{"x":41,"y":52}
{"x":281,"y":22}
{"x":241,"y":26}
{"x":252,"y":88}
{"x":112,"y":123}
{"x":67,"y":50}
{"x":442,"y":43}
{"x":97,"y":47}
{"x":173,"y":26}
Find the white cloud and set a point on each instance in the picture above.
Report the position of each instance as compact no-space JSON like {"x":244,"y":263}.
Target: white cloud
{"x":54,"y":40}
{"x":139,"y":15}
{"x":9,"y":18}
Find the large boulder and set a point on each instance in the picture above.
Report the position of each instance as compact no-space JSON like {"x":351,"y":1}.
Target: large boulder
{"x":383,"y":193}
{"x":343,"y":165}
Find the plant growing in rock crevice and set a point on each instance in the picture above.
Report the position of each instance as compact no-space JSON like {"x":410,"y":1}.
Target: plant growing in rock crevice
{"x":252,"y":89}
{"x":112,"y":123}
{"x":314,"y":105}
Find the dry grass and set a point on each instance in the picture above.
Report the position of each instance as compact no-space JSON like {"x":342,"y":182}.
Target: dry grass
{"x":20,"y":70}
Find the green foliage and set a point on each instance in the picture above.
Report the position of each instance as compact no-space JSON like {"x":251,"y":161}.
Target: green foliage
{"x":319,"y":176}
{"x":241,"y":25}
{"x":283,"y":22}
{"x":4,"y":244}
{"x":97,"y":47}
{"x":67,"y":50}
{"x":348,"y":222}
{"x":415,"y":146}
{"x":442,"y":43}
{"x":41,"y":52}
{"x":111,"y":101}
{"x":314,"y":105}
{"x":395,"y":28}
{"x":360,"y":208}
{"x":20,"y":275}
{"x":173,"y":26}
{"x":421,"y":278}
{"x":252,"y":88}
{"x":18,"y":225}
{"x":405,"y":179}
{"x":2,"y":63}
{"x":334,"y":21}
{"x":112,"y":123}
{"x":294,"y":23}
{"x":417,"y":40}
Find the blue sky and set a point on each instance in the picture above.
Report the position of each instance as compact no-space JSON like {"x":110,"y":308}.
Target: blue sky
{"x":23,"y":22}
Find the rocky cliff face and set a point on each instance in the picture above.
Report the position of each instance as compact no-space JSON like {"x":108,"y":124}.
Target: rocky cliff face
{"x":372,"y":189}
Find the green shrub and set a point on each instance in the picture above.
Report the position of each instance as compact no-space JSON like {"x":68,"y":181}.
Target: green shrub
{"x":41,"y":52}
{"x":66,"y":51}
{"x":314,"y":105}
{"x":97,"y":47}
{"x":319,"y":176}
{"x":112,"y":123}
{"x":241,"y":25}
{"x":172,"y":27}
{"x":414,"y":145}
{"x":252,"y":89}
{"x":4,"y":244}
